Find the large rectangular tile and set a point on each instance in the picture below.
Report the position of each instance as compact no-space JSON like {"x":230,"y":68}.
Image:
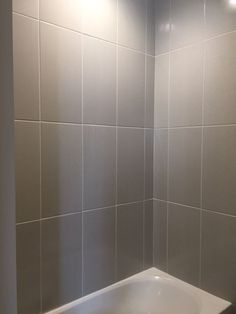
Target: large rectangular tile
{"x":61,"y":261}
{"x":160,"y":164}
{"x":150,"y":33}
{"x":149,"y":139}
{"x":61,"y":74}
{"x":131,"y":88}
{"x":148,"y":234}
{"x":129,"y":243}
{"x":219,"y":169}
{"x":99,"y":19}
{"x":99,"y":82}
{"x":160,"y":234}
{"x":163,"y":26}
{"x":218,"y":255}
{"x":132,"y":23}
{"x":186,"y":86}
{"x":99,"y":249}
{"x":61,"y":169}
{"x":185,"y":166}
{"x":184,"y":243}
{"x":26,"y":67}
{"x":26,"y":7}
{"x":220,"y":91}
{"x":99,"y":167}
{"x":27,"y":164}
{"x":161,"y":91}
{"x":28,"y":268}
{"x":150,"y":83}
{"x":187,"y":18}
{"x":66,"y":13}
{"x":130,"y":164}
{"x":220,"y":17}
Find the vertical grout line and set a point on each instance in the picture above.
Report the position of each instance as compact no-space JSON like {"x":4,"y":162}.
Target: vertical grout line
{"x":82,"y":175}
{"x":116,"y":172}
{"x":168,"y":138}
{"x":40,"y":158}
{"x":202,"y":137}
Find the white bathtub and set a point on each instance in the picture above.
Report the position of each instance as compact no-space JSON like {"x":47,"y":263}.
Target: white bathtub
{"x":150,"y":292}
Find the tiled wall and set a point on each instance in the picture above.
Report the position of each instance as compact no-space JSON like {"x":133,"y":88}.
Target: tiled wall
{"x":195,"y":137}
{"x":84,"y":98}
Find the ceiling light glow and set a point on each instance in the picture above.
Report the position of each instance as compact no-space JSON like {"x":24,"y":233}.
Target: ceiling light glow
{"x":232,"y":3}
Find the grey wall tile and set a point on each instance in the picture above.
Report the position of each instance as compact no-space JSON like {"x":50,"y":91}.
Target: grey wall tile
{"x":26,"y":67}
{"x":131,"y":88}
{"x":61,"y":169}
{"x":26,"y":7}
{"x":150,"y":84}
{"x":66,"y":13}
{"x":99,"y":19}
{"x":186,"y":86}
{"x":99,"y":167}
{"x":161,"y":91}
{"x":99,"y":82}
{"x":61,"y":74}
{"x":148,"y":234}
{"x":220,"y":17}
{"x":130,"y":164}
{"x":131,"y":23}
{"x":27,"y":172}
{"x":220,"y":91}
{"x":184,"y":243}
{"x":28,"y":268}
{"x":219,"y":169}
{"x":185,"y":166}
{"x":163,"y":26}
{"x":129,"y":244}
{"x":149,"y":141}
{"x":187,"y":18}
{"x":99,"y":249}
{"x":218,"y":255}
{"x":160,"y":234}
{"x":160,"y":164}
{"x":61,"y":260}
{"x":150,"y":33}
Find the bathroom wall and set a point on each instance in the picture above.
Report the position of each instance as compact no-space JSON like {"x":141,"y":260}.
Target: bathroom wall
{"x":195,"y":151}
{"x":7,"y":203}
{"x":84,"y":101}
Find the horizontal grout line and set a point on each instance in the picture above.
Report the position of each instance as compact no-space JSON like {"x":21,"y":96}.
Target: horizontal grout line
{"x":202,"y":41}
{"x":85,"y":34}
{"x":80,"y":213}
{"x":217,"y":212}
{"x":83,"y":124}
{"x":195,"y":126}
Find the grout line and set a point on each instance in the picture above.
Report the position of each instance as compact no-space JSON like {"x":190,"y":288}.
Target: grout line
{"x":41,"y":21}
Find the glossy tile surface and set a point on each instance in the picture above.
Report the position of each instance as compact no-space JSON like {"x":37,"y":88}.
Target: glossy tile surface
{"x":61,"y":260}
{"x":186,"y":86}
{"x":184,"y":243}
{"x":26,"y":7}
{"x":131,"y":88}
{"x":26,"y":67}
{"x":162,"y":26}
{"x":150,"y":78}
{"x":129,"y":245}
{"x":185,"y":166}
{"x":220,"y":92}
{"x":61,"y":74}
{"x":130,"y":175}
{"x":132,"y":23}
{"x":219,"y":169}
{"x":61,"y":169}
{"x":218,"y":255}
{"x":149,"y":141}
{"x":99,"y":82}
{"x":99,"y":167}
{"x":27,"y":172}
{"x":148,"y":234}
{"x":28,"y":268}
{"x":99,"y":248}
